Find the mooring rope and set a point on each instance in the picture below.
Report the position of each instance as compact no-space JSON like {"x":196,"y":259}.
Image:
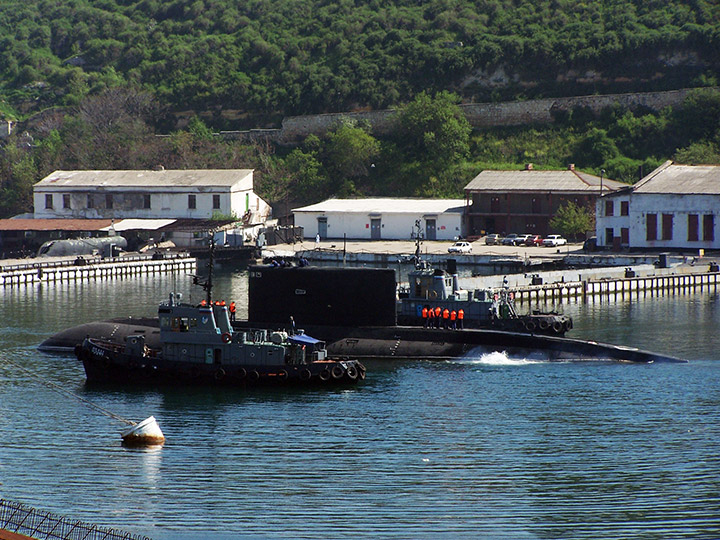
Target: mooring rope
{"x":61,"y":390}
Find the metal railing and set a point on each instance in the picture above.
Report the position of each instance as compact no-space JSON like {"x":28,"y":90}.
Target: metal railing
{"x":21,"y":519}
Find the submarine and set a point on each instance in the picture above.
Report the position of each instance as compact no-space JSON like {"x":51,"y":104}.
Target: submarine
{"x":354,"y":310}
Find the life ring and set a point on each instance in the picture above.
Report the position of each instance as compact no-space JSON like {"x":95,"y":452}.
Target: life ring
{"x":324,"y":375}
{"x":226,"y":337}
{"x":254,"y":375}
{"x":557,"y":327}
{"x":530,"y":326}
{"x":282,"y":375}
{"x":219,"y":374}
{"x":305,"y":375}
{"x":544,"y":324}
{"x":352,"y":373}
{"x":337,"y":371}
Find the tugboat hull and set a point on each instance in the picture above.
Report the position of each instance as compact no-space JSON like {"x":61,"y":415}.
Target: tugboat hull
{"x":106,"y":362}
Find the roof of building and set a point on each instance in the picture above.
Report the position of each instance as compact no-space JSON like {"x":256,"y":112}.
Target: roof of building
{"x":221,"y":178}
{"x":387,"y":206}
{"x":529,"y":180}
{"x":54,"y":224}
{"x":674,"y":179}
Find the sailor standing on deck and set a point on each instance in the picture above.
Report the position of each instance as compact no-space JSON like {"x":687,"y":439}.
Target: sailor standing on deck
{"x":438,"y":316}
{"x":461,"y":316}
{"x":424,"y":313}
{"x":453,"y":321}
{"x":232,"y":311}
{"x":446,"y":318}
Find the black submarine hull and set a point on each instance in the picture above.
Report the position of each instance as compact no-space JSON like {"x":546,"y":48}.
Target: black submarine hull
{"x":392,"y":342}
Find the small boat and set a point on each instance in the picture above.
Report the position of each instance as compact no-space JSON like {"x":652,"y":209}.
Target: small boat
{"x":437,"y":291}
{"x":198,"y":345}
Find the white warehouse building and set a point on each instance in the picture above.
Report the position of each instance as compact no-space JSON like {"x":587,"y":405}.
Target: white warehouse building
{"x":673,"y":207}
{"x":145,"y":194}
{"x":382,"y":219}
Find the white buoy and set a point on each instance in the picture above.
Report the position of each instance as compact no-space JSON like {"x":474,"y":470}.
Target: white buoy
{"x":146,"y":433}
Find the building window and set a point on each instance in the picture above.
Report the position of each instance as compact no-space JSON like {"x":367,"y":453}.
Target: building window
{"x":693,"y":228}
{"x":625,"y":236}
{"x":609,"y":208}
{"x":609,"y":234}
{"x":48,"y":201}
{"x":624,"y":208}
{"x":66,"y":201}
{"x":651,"y":227}
{"x":146,"y":201}
{"x":90,"y":202}
{"x":108,"y":200}
{"x":216,"y":202}
{"x":494,"y":204}
{"x":191,"y":202}
{"x":709,"y":228}
{"x":667,"y":226}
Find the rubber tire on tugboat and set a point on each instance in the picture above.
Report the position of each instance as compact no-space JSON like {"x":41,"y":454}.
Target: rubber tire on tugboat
{"x":337,"y":371}
{"x":282,"y":375}
{"x":305,"y":375}
{"x":530,"y":326}
{"x":324,"y":375}
{"x":241,"y":373}
{"x":226,"y":337}
{"x":568,"y":324}
{"x":558,"y":327}
{"x":219,"y":374}
{"x":352,"y":373}
{"x":544,"y":324}
{"x":254,"y":376}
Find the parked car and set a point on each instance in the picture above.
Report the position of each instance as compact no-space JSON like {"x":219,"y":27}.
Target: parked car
{"x":534,"y":240}
{"x":493,"y":239}
{"x":460,"y":247}
{"x":521,"y":239}
{"x":553,"y":240}
{"x":509,"y":240}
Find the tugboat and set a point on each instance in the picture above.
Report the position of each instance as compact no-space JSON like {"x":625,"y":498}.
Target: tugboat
{"x":436,"y":289}
{"x":198,"y":345}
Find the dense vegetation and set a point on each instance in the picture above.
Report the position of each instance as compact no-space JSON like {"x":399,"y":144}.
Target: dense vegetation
{"x":99,"y":80}
{"x":267,"y":58}
{"x":432,"y":151}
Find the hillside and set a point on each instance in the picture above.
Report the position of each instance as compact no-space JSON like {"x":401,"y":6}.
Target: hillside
{"x":253,"y":62}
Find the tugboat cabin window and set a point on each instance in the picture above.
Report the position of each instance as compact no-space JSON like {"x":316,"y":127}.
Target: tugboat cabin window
{"x":180,"y":324}
{"x":164,"y":322}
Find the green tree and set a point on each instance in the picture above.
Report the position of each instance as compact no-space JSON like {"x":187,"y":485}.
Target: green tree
{"x":572,"y":220}
{"x":433,"y":129}
{"x":350,"y":150}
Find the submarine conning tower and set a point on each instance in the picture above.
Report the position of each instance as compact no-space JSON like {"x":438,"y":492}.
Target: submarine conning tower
{"x":322,"y":295}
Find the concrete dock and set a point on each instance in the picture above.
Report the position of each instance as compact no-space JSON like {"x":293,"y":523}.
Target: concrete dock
{"x":535,"y":274}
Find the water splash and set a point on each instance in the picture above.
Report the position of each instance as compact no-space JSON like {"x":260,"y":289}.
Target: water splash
{"x":497,"y":358}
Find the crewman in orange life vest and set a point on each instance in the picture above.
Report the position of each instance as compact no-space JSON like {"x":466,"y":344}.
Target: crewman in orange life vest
{"x":446,"y":318}
{"x":425,"y":319}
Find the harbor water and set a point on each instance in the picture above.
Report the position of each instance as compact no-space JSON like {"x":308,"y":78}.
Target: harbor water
{"x":487,"y":446}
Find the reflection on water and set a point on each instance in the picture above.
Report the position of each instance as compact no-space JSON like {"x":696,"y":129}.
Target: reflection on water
{"x":489,"y":446}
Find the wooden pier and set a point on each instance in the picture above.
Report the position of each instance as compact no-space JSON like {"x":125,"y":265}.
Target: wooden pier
{"x":92,"y":267}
